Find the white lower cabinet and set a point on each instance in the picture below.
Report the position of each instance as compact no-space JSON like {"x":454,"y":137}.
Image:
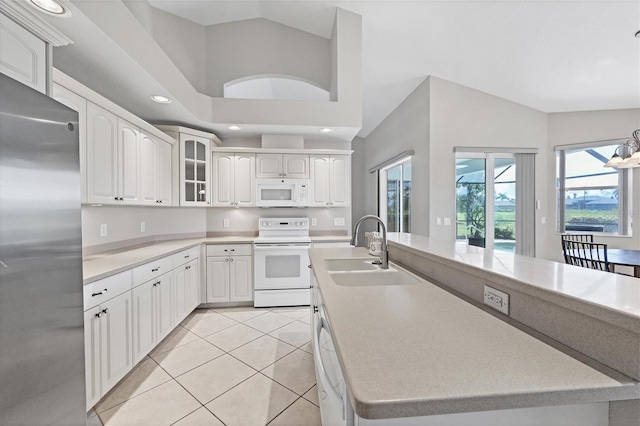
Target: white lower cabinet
{"x":108,"y":354}
{"x":186,"y":290}
{"x":123,"y":324}
{"x":229,"y":273}
{"x":152,"y":314}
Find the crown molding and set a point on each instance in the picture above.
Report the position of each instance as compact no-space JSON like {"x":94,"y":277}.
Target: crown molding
{"x":25,"y":15}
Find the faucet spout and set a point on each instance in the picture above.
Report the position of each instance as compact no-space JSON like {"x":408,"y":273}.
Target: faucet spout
{"x":384,"y":255}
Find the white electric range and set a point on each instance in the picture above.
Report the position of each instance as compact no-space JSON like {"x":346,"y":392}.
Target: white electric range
{"x":281,"y":262}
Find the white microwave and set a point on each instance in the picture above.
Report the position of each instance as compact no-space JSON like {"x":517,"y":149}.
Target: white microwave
{"x":282,"y":192}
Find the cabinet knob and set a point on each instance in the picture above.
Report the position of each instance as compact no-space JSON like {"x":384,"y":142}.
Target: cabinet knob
{"x":227,"y":259}
{"x":230,"y":260}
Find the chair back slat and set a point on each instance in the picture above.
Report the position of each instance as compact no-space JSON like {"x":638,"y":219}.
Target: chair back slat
{"x":586,"y":254}
{"x":586,"y":238}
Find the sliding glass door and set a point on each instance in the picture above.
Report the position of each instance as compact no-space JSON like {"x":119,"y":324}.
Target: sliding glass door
{"x":486,"y":200}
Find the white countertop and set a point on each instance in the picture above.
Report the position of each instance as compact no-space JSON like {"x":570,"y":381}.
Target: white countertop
{"x":102,"y":265}
{"x":411,"y":350}
{"x":620,"y":294}
{"x":99,"y":266}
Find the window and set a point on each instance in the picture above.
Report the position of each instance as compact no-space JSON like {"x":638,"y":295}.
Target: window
{"x":395,"y":196}
{"x":591,"y":198}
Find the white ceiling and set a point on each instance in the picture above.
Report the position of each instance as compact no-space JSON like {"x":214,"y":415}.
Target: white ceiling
{"x":549,"y":55}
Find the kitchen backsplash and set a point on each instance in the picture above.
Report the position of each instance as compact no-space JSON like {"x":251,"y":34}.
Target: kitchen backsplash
{"x":124,"y":225}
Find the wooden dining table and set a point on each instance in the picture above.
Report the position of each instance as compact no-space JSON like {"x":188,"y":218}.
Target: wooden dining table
{"x":624,"y":257}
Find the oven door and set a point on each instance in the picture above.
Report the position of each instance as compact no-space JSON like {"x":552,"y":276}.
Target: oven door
{"x":281,"y":266}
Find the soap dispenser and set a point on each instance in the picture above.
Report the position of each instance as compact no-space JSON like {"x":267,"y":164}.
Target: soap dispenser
{"x":375,"y":244}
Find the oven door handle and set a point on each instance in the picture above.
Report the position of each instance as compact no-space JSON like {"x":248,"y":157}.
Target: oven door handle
{"x":303,"y":246}
{"x":324,"y":376}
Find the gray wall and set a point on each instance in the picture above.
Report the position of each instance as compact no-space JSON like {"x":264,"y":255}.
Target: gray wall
{"x":407,"y":127}
{"x":261,"y":47}
{"x":589,"y":126}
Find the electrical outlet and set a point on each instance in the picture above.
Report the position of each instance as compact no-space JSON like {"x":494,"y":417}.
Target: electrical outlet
{"x":543,"y":220}
{"x":438,"y":221}
{"x":447,"y":221}
{"x":496,"y":299}
{"x":338,"y":221}
{"x":225,"y":223}
{"x":103,"y":230}
{"x":314,"y":221}
{"x":143,"y":227}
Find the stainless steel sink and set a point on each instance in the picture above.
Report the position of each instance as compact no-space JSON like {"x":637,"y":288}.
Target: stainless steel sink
{"x":355,"y":264}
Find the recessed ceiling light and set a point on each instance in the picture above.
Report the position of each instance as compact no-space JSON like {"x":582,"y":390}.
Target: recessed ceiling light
{"x":160,"y":99}
{"x":326,"y":130}
{"x":50,"y":7}
{"x":234,"y":127}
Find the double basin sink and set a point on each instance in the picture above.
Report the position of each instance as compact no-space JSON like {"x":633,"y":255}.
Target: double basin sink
{"x":355,"y":272}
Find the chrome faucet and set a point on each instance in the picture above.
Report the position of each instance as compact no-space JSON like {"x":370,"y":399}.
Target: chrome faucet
{"x":384,"y":256}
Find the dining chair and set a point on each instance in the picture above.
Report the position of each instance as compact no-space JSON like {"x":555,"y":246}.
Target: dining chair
{"x":587,"y":255}
{"x":585,"y":238}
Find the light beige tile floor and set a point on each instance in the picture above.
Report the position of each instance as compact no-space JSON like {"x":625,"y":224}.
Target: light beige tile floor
{"x":231,"y":366}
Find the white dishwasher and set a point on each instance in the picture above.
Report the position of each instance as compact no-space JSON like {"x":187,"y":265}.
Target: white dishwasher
{"x":335,"y":408}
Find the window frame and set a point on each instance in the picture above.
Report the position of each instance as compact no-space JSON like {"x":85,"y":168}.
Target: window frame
{"x":382,"y":193}
{"x":624,"y":188}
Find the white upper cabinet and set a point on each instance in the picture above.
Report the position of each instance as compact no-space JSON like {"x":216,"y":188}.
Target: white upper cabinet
{"x":293,"y":166}
{"x":194,"y":170}
{"x":123,"y":160}
{"x":330,"y":181}
{"x":128,"y":173}
{"x":23,"y":56}
{"x":164,"y":185}
{"x":233,"y":180}
{"x":148,"y":168}
{"x":102,"y":155}
{"x":78,"y":104}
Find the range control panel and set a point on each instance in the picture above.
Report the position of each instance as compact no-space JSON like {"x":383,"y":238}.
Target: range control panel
{"x":272,"y":223}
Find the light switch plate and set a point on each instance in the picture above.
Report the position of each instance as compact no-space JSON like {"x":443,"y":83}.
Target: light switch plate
{"x":338,"y":221}
{"x":314,"y":221}
{"x":143,"y":227}
{"x":447,"y":221}
{"x":103,"y":230}
{"x":438,"y":221}
{"x":225,"y":223}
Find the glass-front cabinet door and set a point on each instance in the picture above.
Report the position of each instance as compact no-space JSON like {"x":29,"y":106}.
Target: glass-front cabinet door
{"x":194,"y":163}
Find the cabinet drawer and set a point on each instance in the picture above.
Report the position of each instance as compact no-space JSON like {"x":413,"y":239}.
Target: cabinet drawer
{"x":151,"y":270}
{"x":102,"y":290}
{"x":229,"y":250}
{"x":185,"y":256}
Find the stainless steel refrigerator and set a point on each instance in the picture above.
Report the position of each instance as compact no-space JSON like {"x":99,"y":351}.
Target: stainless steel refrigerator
{"x":41,"y":314}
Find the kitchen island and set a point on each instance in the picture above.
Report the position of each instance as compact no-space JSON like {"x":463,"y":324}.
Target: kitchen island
{"x":414,"y":349}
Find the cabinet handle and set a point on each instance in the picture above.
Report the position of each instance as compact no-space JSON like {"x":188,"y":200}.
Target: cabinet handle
{"x":98,"y":293}
{"x":315,"y":309}
{"x":99,"y":314}
{"x":155,"y":269}
{"x":115,"y":198}
{"x":121,"y":199}
{"x":232,"y":250}
{"x":105,"y":311}
{"x":157,"y":283}
{"x":187,"y":256}
{"x":309,"y":266}
{"x":187,"y":267}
